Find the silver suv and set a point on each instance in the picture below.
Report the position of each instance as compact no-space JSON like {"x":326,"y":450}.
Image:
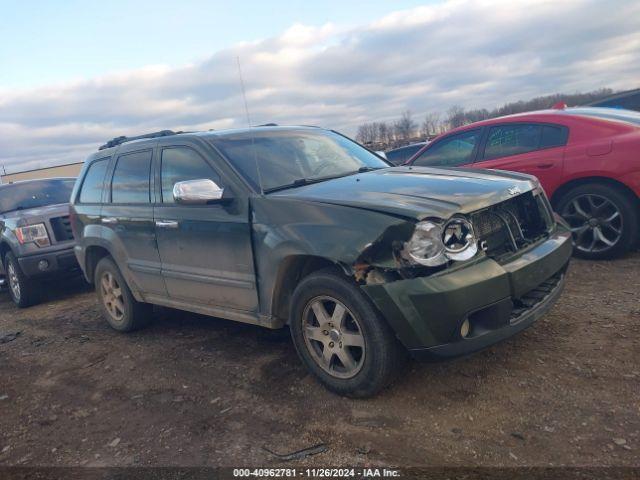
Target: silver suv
{"x":36,"y":241}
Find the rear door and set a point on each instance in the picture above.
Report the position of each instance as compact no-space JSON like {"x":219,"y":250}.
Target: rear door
{"x":206,"y":250}
{"x":533,"y":148}
{"x":128,"y":218}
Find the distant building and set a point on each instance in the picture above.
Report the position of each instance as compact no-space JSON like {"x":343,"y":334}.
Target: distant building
{"x":69,"y":170}
{"x":629,"y":100}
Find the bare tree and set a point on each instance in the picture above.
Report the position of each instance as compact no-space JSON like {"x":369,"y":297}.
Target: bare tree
{"x":366,"y":133}
{"x":405,"y":127}
{"x":383,"y":133}
{"x":431,"y":124}
{"x":361,"y":134}
{"x":455,"y":116}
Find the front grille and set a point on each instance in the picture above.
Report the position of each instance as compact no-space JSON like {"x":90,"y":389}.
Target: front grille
{"x":513,"y":224}
{"x":61,"y":228}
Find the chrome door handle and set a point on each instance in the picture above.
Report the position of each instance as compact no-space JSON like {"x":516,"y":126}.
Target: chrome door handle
{"x":166,"y":224}
{"x":109,"y":220}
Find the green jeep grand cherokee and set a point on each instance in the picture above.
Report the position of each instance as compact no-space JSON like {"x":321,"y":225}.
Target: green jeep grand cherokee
{"x":303,"y":227}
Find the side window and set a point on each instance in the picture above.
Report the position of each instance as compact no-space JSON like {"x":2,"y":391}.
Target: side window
{"x":180,"y":164}
{"x":130,"y":182}
{"x":93,"y":183}
{"x":507,"y":140}
{"x":450,"y":151}
{"x":396,"y":157}
{"x":554,"y":136}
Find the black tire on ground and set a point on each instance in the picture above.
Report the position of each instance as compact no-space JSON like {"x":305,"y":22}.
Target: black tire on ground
{"x":627,"y":206}
{"x":27,"y":293}
{"x":131,"y":314}
{"x":382,"y":356}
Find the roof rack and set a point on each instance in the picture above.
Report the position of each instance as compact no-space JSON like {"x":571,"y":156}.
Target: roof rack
{"x":122,"y":139}
{"x":277,"y":125}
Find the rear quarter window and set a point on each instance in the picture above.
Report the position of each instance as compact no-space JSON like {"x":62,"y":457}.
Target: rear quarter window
{"x":93,"y":184}
{"x":554,"y":136}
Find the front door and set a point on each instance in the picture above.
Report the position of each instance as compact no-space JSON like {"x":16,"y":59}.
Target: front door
{"x":454,"y":150}
{"x":205,"y":249}
{"x":128,"y":222}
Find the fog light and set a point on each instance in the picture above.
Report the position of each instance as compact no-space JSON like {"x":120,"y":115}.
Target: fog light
{"x":43,"y":265}
{"x":465,"y":328}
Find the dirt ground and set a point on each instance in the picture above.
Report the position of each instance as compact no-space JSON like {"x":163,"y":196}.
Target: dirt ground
{"x":190,"y":390}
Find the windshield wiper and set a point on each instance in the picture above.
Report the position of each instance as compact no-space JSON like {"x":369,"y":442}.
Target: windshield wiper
{"x":308,"y":181}
{"x":296,"y":183}
{"x":367,"y":168}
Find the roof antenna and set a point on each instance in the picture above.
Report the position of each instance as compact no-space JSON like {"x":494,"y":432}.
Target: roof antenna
{"x":246,"y":109}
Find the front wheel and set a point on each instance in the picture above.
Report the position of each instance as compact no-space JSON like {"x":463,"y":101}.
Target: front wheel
{"x":341,"y":338}
{"x":603,"y":220}
{"x":23,"y":290}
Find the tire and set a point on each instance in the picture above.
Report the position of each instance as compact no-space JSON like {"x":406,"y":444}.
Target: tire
{"x":23,"y":290}
{"x":367,"y":369}
{"x":603,"y":219}
{"x":119,"y":308}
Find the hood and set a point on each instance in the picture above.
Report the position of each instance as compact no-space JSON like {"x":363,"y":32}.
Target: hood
{"x":417,"y":192}
{"x":29,"y":216}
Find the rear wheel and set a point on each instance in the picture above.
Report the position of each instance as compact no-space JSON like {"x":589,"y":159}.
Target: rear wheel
{"x":119,"y":308}
{"x":603,"y":220}
{"x":341,"y":338}
{"x":23,"y":290}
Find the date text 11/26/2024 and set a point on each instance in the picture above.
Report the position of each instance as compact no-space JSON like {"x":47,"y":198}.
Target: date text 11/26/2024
{"x":316,"y":473}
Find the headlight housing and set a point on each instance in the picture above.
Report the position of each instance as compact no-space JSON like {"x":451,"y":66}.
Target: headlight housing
{"x":425,"y":245}
{"x":434,"y":243}
{"x":33,"y":233}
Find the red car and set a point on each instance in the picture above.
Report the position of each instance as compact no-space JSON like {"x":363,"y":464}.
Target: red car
{"x":586,"y":158}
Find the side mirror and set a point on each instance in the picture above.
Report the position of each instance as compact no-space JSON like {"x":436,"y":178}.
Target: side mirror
{"x":198,"y":192}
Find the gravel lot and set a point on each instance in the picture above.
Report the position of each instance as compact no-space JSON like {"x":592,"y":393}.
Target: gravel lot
{"x":190,"y":390}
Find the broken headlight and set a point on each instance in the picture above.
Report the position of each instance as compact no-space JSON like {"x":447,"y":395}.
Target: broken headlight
{"x":434,"y":243}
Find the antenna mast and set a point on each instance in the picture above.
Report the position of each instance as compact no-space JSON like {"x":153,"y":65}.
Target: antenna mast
{"x":246,"y":109}
{"x":244,"y":95}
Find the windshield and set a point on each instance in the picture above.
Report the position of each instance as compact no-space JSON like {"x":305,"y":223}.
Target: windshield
{"x":33,"y":194}
{"x":289,"y":158}
{"x":608,"y":113}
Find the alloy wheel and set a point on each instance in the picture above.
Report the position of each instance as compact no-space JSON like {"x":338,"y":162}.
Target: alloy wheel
{"x":595,"y":221}
{"x":333,"y":337}
{"x":14,"y":283}
{"x":112,"y":296}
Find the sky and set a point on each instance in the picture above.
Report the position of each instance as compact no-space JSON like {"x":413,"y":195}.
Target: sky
{"x":74,"y":74}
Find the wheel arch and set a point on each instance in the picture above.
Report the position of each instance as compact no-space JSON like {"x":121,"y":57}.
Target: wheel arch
{"x":4,"y":249}
{"x":577,"y":182}
{"x":293,"y":269}
{"x":93,"y":254}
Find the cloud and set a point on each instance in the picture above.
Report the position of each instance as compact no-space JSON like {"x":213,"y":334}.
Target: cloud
{"x":474,"y":53}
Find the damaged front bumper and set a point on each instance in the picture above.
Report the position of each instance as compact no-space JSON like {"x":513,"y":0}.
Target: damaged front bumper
{"x":497,"y":299}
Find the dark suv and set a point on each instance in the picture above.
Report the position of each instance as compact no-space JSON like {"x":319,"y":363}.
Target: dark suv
{"x":302,"y":226}
{"x":36,"y":241}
